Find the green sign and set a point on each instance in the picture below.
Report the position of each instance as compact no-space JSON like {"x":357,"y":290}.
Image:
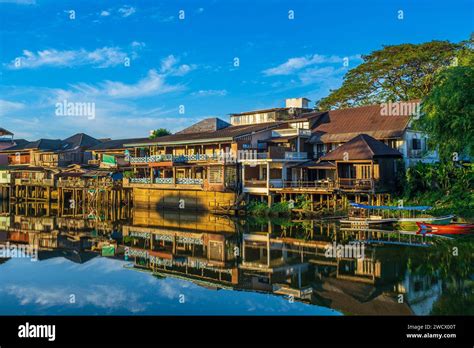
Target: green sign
{"x":109,"y":159}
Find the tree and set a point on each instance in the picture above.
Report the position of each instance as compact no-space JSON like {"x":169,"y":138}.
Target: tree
{"x":159,"y":133}
{"x":394,"y":73}
{"x":448,"y":113}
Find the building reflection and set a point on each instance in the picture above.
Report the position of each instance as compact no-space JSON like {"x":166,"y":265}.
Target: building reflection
{"x":287,"y":259}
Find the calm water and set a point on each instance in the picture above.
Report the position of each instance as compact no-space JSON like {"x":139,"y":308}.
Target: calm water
{"x":180,"y":263}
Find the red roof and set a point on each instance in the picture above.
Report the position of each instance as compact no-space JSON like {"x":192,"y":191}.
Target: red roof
{"x":344,"y":124}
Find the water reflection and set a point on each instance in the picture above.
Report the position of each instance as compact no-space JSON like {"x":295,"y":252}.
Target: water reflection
{"x":279,"y":266}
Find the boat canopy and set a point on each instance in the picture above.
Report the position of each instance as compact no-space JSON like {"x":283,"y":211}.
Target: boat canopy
{"x":389,"y":207}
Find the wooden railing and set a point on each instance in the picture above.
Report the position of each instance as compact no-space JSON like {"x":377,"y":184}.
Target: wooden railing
{"x":313,"y":184}
{"x":30,"y":181}
{"x":356,"y":184}
{"x":255,"y":183}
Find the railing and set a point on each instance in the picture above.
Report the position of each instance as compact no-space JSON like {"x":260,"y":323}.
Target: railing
{"x":29,"y":181}
{"x":314,"y":184}
{"x":296,"y":155}
{"x":356,"y":184}
{"x":177,"y":158}
{"x":167,"y":181}
{"x":276,"y":153}
{"x":93,"y":162}
{"x":164,"y":181}
{"x":189,"y":181}
{"x":290,"y":132}
{"x":255,"y":183}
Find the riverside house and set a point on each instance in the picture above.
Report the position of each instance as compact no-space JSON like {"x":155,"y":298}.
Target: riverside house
{"x":274,"y":153}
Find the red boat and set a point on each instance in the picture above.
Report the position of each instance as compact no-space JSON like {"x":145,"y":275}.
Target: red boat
{"x":445,"y":229}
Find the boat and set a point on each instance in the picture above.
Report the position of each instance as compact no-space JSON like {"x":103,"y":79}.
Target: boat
{"x":399,"y":213}
{"x":445,"y":229}
{"x":411,"y":223}
{"x":373,"y":220}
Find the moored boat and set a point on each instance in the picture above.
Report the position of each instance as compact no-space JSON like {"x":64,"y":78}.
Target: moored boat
{"x":411,"y":223}
{"x":445,"y":229}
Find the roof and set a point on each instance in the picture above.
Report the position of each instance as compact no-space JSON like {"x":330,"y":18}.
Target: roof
{"x":206,"y":125}
{"x":116,"y":144}
{"x":225,"y":134}
{"x":79,"y":140}
{"x":316,"y":165}
{"x":362,"y":147}
{"x":3,"y":131}
{"x":344,"y":124}
{"x":71,"y":143}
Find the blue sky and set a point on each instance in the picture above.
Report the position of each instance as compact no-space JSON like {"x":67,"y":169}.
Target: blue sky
{"x":190,"y":62}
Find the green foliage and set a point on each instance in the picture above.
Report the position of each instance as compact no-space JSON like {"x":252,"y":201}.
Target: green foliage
{"x":257,"y":208}
{"x":281,"y":208}
{"x":396,"y":73}
{"x":448,"y":113}
{"x":447,"y":186}
{"x":303,"y":201}
{"x":128,"y":174}
{"x":159,"y":133}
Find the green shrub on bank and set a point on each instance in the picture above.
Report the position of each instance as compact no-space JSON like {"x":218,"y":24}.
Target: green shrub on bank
{"x":257,"y":208}
{"x":447,"y":187}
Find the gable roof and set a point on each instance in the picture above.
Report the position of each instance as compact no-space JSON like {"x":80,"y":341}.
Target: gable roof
{"x":362,"y":147}
{"x":3,"y":131}
{"x":225,"y":134}
{"x":206,"y":125}
{"x":79,"y":140}
{"x":344,"y":124}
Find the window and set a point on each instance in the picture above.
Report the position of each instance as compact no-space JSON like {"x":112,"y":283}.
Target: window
{"x":416,"y":144}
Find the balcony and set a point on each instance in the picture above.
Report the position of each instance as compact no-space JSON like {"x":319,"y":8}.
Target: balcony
{"x":34,"y":181}
{"x":356,"y":184}
{"x":199,"y":157}
{"x":296,"y":156}
{"x":170,"y":182}
{"x":275,"y":153}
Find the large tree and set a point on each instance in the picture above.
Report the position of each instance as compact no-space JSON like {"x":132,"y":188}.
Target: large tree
{"x":448,"y":113}
{"x":159,"y":133}
{"x":396,"y":73}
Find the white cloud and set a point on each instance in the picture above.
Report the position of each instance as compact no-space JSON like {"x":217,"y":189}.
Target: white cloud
{"x":169,"y":65}
{"x":105,"y":13}
{"x":293,"y":65}
{"x":152,"y":84}
{"x":101,"y":58}
{"x":211,"y":92}
{"x":126,"y":11}
{"x":7,"y":107}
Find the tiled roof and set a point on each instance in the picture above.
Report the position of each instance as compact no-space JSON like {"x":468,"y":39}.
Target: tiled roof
{"x":344,"y":124}
{"x":362,"y":147}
